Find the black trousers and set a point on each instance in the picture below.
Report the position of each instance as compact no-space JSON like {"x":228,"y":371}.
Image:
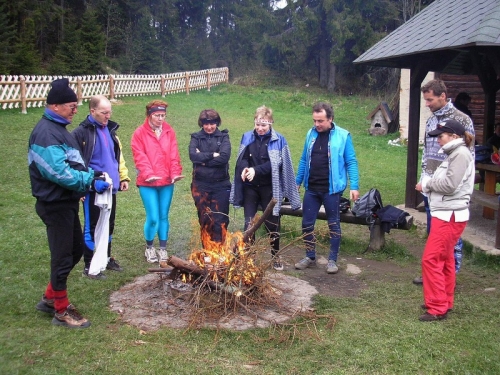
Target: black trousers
{"x":91,"y":214}
{"x":64,"y":234}
{"x":212,"y":204}
{"x":261,"y":196}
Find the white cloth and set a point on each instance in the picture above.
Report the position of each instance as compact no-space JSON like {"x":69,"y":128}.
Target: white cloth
{"x":101,"y":234}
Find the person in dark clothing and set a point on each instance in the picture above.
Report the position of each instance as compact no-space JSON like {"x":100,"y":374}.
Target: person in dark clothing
{"x":462,"y":101}
{"x":264,"y":170}
{"x":210,"y":150}
{"x":101,"y":149}
{"x":59,"y":178}
{"x":494,"y":140}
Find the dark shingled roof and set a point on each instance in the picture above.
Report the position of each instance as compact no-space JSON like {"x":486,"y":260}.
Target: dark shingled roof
{"x":453,"y":27}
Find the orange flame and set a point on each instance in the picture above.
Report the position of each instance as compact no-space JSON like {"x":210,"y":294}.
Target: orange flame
{"x":227,"y":262}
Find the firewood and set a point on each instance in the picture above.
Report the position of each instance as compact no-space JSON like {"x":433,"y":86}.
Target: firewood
{"x":185,"y":266}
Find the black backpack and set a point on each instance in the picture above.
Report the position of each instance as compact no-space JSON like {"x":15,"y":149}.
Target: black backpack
{"x":344,"y":205}
{"x":366,"y":206}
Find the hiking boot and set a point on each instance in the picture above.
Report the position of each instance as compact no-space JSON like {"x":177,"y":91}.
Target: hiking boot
{"x":304,"y":263}
{"x":162,"y":255}
{"x":277,"y":265}
{"x":46,"y":305}
{"x":150,"y":255}
{"x":99,"y":276}
{"x":418,"y":280}
{"x":113,"y":265}
{"x":432,"y":318}
{"x":332,"y":267}
{"x":424,"y":307}
{"x":70,"y":318}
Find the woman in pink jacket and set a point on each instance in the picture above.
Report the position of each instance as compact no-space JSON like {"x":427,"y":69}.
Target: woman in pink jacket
{"x":158,"y":165}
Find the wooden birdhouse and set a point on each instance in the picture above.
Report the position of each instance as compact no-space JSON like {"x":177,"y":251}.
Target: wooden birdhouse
{"x":380,"y":119}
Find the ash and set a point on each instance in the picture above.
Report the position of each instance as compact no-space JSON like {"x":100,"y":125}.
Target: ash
{"x":151,"y":302}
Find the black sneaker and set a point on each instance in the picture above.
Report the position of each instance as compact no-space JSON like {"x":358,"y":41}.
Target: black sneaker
{"x":113,"y":265}
{"x":99,"y":276}
{"x":46,"y":305}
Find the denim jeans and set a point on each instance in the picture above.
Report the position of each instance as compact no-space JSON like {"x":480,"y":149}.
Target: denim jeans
{"x":457,"y":251}
{"x":310,"y":207}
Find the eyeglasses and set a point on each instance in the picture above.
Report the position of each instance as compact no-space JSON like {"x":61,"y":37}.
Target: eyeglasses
{"x":72,"y":107}
{"x":105,"y":113}
{"x":159,"y":115}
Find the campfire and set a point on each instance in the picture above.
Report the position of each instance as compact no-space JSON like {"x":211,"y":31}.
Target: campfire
{"x":233,"y":269}
{"x":223,"y":285}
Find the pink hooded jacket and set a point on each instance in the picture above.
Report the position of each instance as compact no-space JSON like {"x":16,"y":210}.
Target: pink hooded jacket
{"x":155,"y":157}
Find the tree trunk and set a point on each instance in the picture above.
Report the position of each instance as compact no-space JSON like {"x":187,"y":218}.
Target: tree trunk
{"x":324,"y":60}
{"x":332,"y":78}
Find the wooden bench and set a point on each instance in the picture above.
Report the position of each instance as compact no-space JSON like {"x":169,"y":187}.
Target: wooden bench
{"x":377,"y":235}
{"x":490,"y":201}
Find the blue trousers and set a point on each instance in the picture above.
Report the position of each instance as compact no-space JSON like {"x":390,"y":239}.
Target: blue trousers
{"x":457,"y":250}
{"x":156,"y":200}
{"x":310,"y":207}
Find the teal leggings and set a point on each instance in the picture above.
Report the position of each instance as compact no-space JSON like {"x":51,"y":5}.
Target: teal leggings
{"x":156,"y":201}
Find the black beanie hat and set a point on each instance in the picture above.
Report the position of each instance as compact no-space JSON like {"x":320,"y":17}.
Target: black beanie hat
{"x":61,"y":93}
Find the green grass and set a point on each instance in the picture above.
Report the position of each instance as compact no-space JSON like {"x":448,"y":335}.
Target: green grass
{"x":375,"y":333}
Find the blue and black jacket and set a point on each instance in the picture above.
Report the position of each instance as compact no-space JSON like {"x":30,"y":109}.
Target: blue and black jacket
{"x":56,"y":167}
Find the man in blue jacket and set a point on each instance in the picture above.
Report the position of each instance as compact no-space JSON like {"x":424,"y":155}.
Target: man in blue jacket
{"x":328,"y":159}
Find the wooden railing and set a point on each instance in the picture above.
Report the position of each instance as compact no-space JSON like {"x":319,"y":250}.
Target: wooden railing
{"x":31,"y":91}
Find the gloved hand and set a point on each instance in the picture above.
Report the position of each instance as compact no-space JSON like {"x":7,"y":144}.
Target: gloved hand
{"x":100,"y":186}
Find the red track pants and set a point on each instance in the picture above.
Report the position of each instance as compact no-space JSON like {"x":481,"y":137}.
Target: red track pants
{"x":438,"y":265}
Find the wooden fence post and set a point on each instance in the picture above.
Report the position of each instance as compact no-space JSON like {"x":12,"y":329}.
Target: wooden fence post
{"x":22,"y":81}
{"x":79,"y":90}
{"x":162,"y":86}
{"x":208,"y":80}
{"x":111,"y":88}
{"x":187,"y":83}
{"x":227,"y":74}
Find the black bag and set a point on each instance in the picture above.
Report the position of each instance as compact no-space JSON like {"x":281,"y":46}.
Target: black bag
{"x":391,"y":217}
{"x":366,"y":206}
{"x":344,"y":205}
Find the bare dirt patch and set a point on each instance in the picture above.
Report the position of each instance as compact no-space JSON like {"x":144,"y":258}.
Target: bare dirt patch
{"x":149,"y":303}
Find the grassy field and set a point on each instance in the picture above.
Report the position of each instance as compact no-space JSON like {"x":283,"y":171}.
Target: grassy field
{"x":376,"y":333}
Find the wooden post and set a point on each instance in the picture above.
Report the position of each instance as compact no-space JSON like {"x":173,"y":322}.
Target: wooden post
{"x":208,"y":80}
{"x":79,"y":94}
{"x":187,"y":83}
{"x":111,"y":87}
{"x":417,"y":75}
{"x":162,"y":86}
{"x":227,"y":75}
{"x":22,"y":81}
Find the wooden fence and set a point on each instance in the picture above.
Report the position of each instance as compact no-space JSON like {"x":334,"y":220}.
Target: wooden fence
{"x":31,"y":91}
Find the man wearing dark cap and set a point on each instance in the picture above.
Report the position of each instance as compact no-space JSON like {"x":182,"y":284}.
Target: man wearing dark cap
{"x":59,"y":178}
{"x":436,"y":99}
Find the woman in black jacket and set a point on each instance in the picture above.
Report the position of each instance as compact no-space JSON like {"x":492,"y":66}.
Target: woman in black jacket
{"x":210,"y":150}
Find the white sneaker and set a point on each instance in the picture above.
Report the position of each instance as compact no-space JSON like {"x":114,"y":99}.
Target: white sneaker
{"x":332,"y":267}
{"x":150,"y":255}
{"x":162,"y":255}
